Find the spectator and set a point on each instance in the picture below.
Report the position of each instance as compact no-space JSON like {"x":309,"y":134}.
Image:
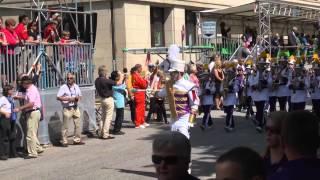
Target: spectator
{"x":300,"y":138}
{"x":240,"y":163}
{"x":274,"y":156}
{"x":8,"y":68}
{"x":70,"y":94}
{"x":33,"y":32}
{"x":21,"y":28}
{"x":2,"y":36}
{"x":171,"y":156}
{"x":31,"y":108}
{"x":224,"y":31}
{"x":131,"y":95}
{"x":104,"y":90}
{"x":7,"y":124}
{"x":67,"y":53}
{"x":119,"y":101}
{"x":161,"y":113}
{"x":140,"y":85}
{"x":153,"y":82}
{"x":218,"y":77}
{"x":51,"y":34}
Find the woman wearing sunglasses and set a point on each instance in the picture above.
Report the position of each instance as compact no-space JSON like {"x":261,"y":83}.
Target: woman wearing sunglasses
{"x":274,"y":156}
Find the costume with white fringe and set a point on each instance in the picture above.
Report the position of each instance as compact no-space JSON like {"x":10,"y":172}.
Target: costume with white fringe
{"x":185,"y":100}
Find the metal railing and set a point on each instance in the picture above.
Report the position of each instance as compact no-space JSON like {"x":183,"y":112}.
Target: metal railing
{"x":54,"y":61}
{"x":224,"y":46}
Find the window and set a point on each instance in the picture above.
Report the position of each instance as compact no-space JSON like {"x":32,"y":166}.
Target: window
{"x":191,"y":22}
{"x":157,"y":26}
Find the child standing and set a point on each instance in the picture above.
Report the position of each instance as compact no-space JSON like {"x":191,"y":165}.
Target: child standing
{"x":119,"y":100}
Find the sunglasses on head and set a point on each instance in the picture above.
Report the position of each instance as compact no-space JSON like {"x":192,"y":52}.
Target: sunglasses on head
{"x":169,"y":160}
{"x":272,"y":130}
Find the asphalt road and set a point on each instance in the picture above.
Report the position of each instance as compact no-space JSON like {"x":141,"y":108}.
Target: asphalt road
{"x":129,"y":156}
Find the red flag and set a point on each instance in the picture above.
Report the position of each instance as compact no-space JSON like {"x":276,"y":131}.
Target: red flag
{"x":148,"y":59}
{"x":183,"y":33}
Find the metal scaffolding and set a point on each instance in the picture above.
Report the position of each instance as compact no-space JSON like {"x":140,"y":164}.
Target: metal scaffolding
{"x":45,"y":8}
{"x":267,"y":11}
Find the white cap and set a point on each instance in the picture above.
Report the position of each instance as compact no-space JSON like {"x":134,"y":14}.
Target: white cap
{"x":177,"y":65}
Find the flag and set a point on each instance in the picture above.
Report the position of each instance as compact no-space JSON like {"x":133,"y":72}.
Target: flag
{"x":148,"y":59}
{"x":183,"y":33}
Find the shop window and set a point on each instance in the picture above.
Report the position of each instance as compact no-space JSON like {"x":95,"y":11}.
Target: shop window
{"x":157,"y":27}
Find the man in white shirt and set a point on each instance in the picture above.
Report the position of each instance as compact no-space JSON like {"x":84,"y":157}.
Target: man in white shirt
{"x":70,"y":94}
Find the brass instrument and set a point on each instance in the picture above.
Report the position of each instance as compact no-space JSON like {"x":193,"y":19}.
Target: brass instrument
{"x":170,"y":96}
{"x":298,"y":78}
{"x":263,"y":77}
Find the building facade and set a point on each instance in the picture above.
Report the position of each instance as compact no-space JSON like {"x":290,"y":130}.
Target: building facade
{"x":120,"y":24}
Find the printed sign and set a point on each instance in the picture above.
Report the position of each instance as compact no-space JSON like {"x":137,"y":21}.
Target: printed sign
{"x":209,"y":29}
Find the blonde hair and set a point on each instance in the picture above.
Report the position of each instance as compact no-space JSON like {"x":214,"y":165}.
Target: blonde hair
{"x":102,"y":71}
{"x":65,"y":33}
{"x":217,"y":63}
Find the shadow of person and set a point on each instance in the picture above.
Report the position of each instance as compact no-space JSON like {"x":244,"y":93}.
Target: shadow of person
{"x":54,"y":126}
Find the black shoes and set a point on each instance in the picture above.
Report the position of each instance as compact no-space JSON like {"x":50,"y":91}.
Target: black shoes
{"x":118,"y":133}
{"x":3,"y":158}
{"x":79,"y":143}
{"x":106,"y":138}
{"x":30,"y":157}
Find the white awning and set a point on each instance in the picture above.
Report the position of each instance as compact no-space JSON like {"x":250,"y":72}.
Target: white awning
{"x":279,"y":10}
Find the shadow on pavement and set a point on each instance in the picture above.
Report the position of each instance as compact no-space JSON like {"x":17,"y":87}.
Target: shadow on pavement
{"x":141,"y":173}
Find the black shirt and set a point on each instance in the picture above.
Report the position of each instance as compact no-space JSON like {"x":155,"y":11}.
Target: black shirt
{"x":32,"y":34}
{"x":104,"y":87}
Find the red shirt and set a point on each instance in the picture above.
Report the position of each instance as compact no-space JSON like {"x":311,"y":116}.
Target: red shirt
{"x":12,"y":40}
{"x":50,"y":33}
{"x":22,"y":31}
{"x":138,"y":82}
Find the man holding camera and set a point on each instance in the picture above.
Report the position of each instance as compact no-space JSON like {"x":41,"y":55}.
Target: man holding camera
{"x":69,"y":94}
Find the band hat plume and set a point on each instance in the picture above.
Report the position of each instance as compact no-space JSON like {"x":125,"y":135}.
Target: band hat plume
{"x":249,"y":62}
{"x":292,"y":60}
{"x":176,"y":63}
{"x":315,"y":61}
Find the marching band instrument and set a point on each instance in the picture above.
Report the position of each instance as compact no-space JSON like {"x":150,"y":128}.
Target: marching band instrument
{"x":170,"y":96}
{"x":298,"y":80}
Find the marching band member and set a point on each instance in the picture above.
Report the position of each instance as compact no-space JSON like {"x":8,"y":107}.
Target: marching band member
{"x":181,"y":93}
{"x":230,"y":100}
{"x":206,"y":94}
{"x":248,"y":90}
{"x":283,"y":91}
{"x":258,"y":83}
{"x":315,"y":85}
{"x":298,"y":87}
{"x":272,"y":86}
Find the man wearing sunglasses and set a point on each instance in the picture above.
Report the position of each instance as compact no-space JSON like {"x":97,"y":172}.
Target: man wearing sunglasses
{"x":69,"y":94}
{"x":171,"y":156}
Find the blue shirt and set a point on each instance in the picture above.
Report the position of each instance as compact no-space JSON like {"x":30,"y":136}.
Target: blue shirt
{"x":118,"y":95}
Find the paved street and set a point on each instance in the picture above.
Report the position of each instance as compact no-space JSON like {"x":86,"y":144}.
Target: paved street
{"x":129,"y":156}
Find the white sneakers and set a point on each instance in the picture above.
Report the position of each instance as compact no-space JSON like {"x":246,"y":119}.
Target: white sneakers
{"x":143,"y":126}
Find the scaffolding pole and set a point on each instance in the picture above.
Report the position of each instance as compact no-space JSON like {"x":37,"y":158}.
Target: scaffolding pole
{"x":264,"y":37}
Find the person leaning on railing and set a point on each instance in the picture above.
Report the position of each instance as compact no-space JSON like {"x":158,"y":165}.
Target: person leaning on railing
{"x":8,"y":69}
{"x":33,"y":32}
{"x":21,"y":28}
